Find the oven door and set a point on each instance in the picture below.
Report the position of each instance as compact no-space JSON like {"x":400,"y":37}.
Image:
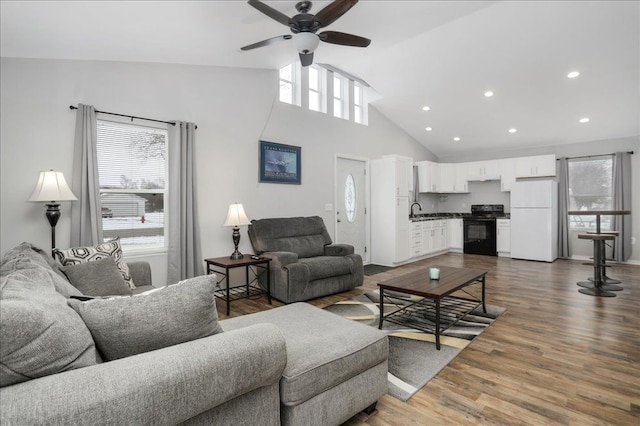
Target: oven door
{"x":480,"y":236}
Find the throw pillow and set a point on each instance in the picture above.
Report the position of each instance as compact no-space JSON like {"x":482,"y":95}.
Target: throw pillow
{"x":39,"y":334}
{"x":76,"y":255}
{"x":98,"y":278}
{"x":126,"y":326}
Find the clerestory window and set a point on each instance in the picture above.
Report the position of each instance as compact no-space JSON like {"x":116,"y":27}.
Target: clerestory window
{"x":290,"y":84}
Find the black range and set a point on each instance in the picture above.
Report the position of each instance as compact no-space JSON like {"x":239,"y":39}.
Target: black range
{"x":480,"y":229}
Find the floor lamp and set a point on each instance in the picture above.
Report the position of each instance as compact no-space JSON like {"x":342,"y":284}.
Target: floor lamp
{"x":236,"y":217}
{"x":51,"y":189}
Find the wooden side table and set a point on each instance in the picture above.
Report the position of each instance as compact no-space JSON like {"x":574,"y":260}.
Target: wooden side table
{"x":219,"y":264}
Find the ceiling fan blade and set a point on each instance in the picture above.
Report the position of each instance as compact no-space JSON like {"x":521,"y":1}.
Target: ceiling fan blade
{"x":333,"y":11}
{"x":267,"y":42}
{"x":306,"y":59}
{"x":344,"y":39}
{"x":270,"y":12}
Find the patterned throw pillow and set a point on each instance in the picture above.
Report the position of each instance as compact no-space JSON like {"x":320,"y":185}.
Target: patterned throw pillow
{"x":76,"y":255}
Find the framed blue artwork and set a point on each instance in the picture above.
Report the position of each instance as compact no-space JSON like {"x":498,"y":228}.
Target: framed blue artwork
{"x":280,"y":163}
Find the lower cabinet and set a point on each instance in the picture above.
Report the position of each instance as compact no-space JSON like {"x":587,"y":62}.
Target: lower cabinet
{"x":455,"y":234}
{"x":503,"y":237}
{"x":415,"y":239}
{"x":427,"y":237}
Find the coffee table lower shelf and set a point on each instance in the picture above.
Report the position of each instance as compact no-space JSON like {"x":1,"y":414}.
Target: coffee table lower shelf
{"x":431,"y":315}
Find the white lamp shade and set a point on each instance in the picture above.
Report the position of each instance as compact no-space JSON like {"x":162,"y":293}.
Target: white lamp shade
{"x":51,"y":187}
{"x":236,"y":216}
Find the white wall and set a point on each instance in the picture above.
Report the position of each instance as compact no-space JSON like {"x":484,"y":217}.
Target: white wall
{"x":233,"y":108}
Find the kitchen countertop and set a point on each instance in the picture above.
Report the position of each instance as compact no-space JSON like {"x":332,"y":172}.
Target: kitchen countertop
{"x":436,"y":216}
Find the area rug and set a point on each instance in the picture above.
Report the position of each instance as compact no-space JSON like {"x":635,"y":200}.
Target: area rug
{"x":413,"y":357}
{"x":375,"y":269}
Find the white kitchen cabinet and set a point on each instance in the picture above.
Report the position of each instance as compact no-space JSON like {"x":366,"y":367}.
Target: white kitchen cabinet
{"x":461,"y":184}
{"x":434,"y":236}
{"x":442,"y":177}
{"x":507,"y":174}
{"x":427,"y":237}
{"x":428,"y":176}
{"x":439,"y":233}
{"x":415,"y":238}
{"x":447,"y":181}
{"x":455,"y":234}
{"x":503,"y":238}
{"x":390,"y":225}
{"x":535,"y":166}
{"x":483,"y":170}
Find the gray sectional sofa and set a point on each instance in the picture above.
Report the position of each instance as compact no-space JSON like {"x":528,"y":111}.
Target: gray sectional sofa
{"x":162,"y":358}
{"x":305,"y":264}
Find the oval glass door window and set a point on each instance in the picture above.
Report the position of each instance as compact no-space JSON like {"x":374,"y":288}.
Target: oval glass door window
{"x":350,"y":198}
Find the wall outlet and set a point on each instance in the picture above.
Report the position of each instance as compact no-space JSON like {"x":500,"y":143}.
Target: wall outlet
{"x":633,"y":240}
{"x":328,"y":207}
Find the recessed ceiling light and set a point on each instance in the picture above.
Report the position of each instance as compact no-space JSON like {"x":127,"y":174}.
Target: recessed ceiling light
{"x":573,"y":74}
{"x":428,"y":129}
{"x":584,"y":120}
{"x":512,"y":130}
{"x":425,"y":108}
{"x":488,"y":93}
{"x":456,"y":139}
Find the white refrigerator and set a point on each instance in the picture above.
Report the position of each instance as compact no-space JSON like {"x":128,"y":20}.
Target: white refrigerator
{"x":534,"y":220}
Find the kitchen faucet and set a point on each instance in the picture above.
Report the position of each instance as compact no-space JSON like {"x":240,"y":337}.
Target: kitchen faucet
{"x":411,"y":208}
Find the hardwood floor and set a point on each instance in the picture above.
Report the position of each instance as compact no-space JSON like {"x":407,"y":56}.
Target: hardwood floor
{"x":555,"y":357}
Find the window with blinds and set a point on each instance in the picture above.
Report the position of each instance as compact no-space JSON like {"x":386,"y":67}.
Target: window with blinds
{"x":132,"y":169}
{"x":590,"y":188}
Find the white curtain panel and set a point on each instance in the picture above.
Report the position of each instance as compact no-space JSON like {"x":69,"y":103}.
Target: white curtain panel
{"x":563,"y":208}
{"x":622,"y":201}
{"x":184,"y":259}
{"x":86,"y":219}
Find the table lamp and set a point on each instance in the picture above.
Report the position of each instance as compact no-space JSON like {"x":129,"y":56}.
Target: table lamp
{"x":236,"y":217}
{"x":51,"y":189}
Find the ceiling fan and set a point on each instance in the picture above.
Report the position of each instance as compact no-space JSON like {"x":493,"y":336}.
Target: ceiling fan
{"x":305,"y":25}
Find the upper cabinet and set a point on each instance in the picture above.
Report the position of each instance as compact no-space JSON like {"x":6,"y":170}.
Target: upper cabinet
{"x":428,"y":176}
{"x":454,"y":177}
{"x":507,"y":174}
{"x":441,"y":177}
{"x":402,"y":169}
{"x":536,"y":166}
{"x":483,"y":170}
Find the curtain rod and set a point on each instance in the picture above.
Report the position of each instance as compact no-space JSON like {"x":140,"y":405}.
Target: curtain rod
{"x":591,"y":156}
{"x":131,"y":116}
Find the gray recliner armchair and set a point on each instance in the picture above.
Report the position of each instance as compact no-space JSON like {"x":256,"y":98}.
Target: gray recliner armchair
{"x":305,"y":263}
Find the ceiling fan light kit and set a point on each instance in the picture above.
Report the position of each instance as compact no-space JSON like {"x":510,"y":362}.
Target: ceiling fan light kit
{"x":305,"y":25}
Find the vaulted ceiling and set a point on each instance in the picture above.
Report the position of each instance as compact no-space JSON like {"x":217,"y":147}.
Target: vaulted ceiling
{"x":440,"y":54}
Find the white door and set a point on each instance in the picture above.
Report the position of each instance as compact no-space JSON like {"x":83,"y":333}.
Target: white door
{"x":351,"y":205}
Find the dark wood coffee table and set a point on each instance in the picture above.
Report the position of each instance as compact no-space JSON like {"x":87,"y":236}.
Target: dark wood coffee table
{"x":433,"y":298}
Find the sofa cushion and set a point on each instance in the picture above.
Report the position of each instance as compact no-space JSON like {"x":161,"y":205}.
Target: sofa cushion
{"x":27,"y":253}
{"x":125,"y":326}
{"x":305,"y":236}
{"x":39,"y":334}
{"x":323,"y":349}
{"x":76,"y":255}
{"x":327,"y":266}
{"x":97,"y":278}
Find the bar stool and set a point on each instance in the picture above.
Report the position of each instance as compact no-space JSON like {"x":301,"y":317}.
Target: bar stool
{"x":598,"y":286}
{"x":608,"y":280}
